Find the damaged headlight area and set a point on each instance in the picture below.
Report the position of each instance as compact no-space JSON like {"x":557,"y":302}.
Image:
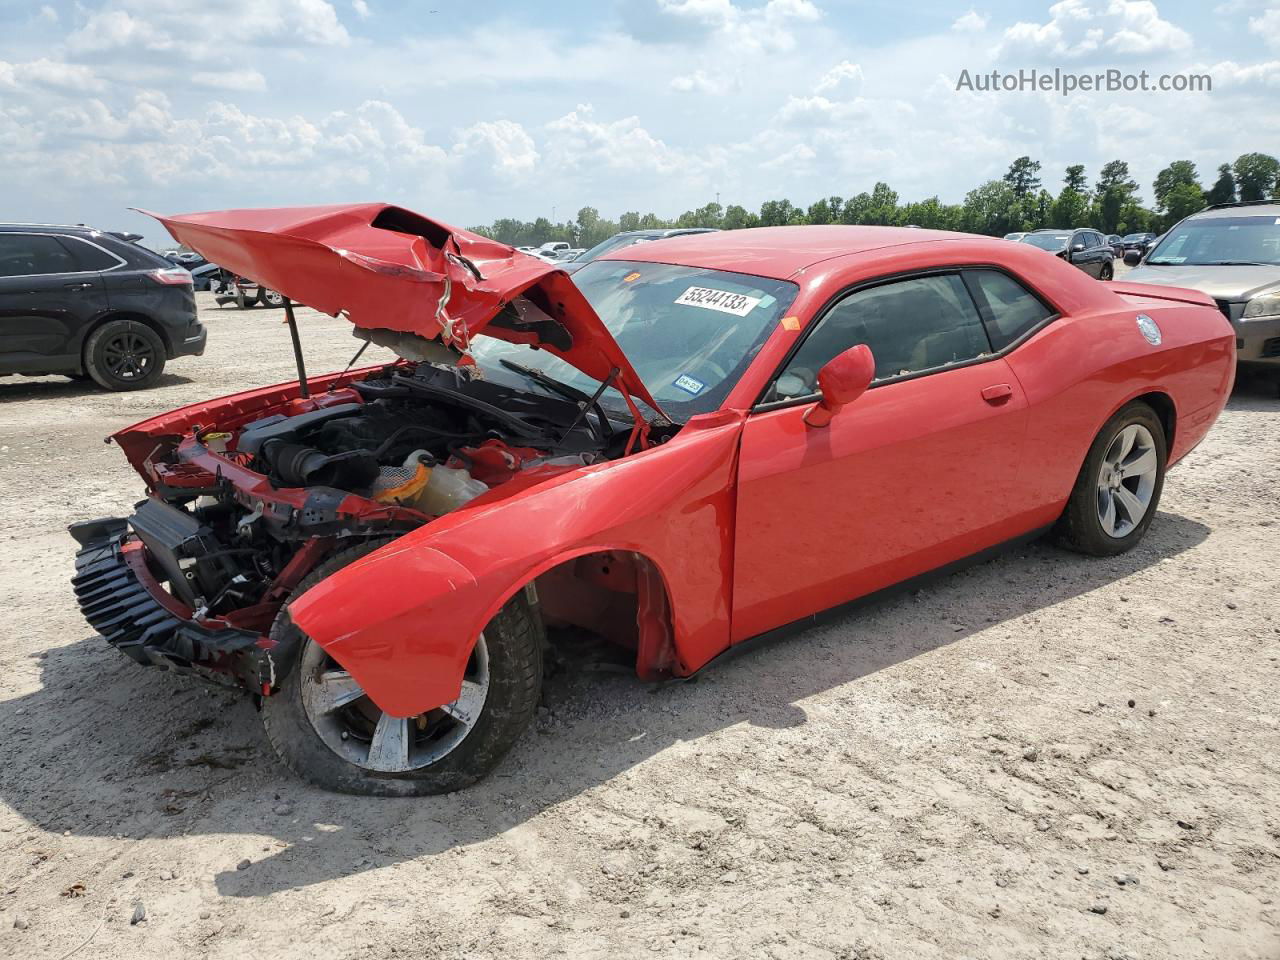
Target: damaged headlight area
{"x":244,"y":505}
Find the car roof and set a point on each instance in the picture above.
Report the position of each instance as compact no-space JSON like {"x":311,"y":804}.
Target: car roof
{"x":71,"y":228}
{"x":1246,"y":209}
{"x":779,"y":252}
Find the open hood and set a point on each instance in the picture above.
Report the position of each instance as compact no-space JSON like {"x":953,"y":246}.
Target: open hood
{"x":384,"y":267}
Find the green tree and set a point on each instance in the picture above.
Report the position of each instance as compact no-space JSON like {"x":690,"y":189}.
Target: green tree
{"x":986,"y":209}
{"x":1075,"y":179}
{"x":779,"y":213}
{"x":826,"y":210}
{"x":1224,"y":188}
{"x":1071,"y":209}
{"x":737,"y":218}
{"x":1256,"y":175}
{"x":1182,"y":201}
{"x":1023,"y":176}
{"x":1115,"y":176}
{"x":1177,"y":174}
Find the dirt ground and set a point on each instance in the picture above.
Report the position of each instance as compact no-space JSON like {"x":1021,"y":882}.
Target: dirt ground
{"x":1045,"y":756}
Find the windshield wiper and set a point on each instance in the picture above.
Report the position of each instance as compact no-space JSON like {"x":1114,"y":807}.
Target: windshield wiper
{"x":584,"y":400}
{"x":1239,"y":263}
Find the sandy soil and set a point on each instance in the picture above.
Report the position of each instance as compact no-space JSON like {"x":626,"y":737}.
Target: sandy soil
{"x":1045,"y":756}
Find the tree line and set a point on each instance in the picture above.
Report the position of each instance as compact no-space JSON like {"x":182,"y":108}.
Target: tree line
{"x":1017,"y":201}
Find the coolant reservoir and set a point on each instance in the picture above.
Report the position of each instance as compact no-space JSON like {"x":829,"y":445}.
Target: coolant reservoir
{"x":448,"y":489}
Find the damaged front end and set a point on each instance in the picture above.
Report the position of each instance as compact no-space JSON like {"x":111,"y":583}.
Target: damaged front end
{"x":249,"y":494}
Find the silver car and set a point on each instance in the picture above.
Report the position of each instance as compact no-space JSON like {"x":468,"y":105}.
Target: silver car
{"x":1232,"y":253}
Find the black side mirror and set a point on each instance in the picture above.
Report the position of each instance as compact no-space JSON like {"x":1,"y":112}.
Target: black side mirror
{"x":1132,"y":257}
{"x":1077,"y":248}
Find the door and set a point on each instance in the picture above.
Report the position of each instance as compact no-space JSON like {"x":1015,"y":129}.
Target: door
{"x":45,"y":298}
{"x":918,"y":472}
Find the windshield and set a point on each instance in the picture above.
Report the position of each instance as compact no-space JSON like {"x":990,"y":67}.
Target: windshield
{"x":1047,"y":241}
{"x":616,"y":242}
{"x":689,"y":332}
{"x":1220,"y":240}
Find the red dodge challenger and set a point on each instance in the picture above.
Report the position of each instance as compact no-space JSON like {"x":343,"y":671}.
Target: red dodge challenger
{"x":690,"y":444}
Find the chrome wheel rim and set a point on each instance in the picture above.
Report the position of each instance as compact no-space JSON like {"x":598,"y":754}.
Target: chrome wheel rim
{"x":273,"y":298}
{"x":1127,"y":480}
{"x":357,"y":731}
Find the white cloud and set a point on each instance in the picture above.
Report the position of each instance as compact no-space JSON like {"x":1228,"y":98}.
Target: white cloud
{"x":200,"y":31}
{"x":971,"y":22}
{"x":843,"y":76}
{"x":1079,"y":29}
{"x":577,"y":140}
{"x":361,"y":8}
{"x":54,"y":74}
{"x":1267,"y":27}
{"x":767,"y":28}
{"x":505,"y":144}
{"x":249,"y":81}
{"x":702,"y":82}
{"x":48,"y":14}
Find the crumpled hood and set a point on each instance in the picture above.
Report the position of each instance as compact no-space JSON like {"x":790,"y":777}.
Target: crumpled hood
{"x":384,"y":267}
{"x":1221,"y":282}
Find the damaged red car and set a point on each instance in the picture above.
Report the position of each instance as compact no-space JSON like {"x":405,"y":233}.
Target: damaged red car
{"x":689,"y":445}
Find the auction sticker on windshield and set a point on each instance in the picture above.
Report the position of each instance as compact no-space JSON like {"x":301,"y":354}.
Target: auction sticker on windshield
{"x":737,"y":304}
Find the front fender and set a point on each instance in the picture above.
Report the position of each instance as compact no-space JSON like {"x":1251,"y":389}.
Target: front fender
{"x":404,"y":619}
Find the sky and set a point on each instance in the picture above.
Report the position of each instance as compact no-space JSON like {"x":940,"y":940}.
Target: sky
{"x":471,"y":111}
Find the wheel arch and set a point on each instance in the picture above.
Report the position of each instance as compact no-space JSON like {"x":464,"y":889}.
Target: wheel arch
{"x":136,"y":317}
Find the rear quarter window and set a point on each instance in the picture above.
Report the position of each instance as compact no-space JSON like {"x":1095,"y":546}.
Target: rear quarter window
{"x":1008,"y":308}
{"x":90,"y":256}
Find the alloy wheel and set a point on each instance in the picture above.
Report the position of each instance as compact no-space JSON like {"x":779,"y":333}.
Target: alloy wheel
{"x":1127,"y":480}
{"x":353,"y":727}
{"x":128,"y":356}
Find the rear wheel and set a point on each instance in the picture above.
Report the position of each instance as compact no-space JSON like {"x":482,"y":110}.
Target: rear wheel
{"x":124,"y":355}
{"x":1107,"y":272}
{"x":272,"y":299}
{"x":326,"y":729}
{"x":1118,"y":489}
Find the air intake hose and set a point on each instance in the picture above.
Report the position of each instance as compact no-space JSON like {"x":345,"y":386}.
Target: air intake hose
{"x":296,"y":465}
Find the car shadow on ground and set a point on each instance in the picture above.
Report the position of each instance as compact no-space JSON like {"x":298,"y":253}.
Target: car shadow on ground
{"x":170,"y":757}
{"x":60,"y":387}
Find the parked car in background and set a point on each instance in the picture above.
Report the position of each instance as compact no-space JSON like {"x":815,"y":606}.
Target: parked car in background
{"x":1083,"y":248}
{"x":1137,"y":241}
{"x":1016,"y":236}
{"x":87,"y":304}
{"x":1117,"y":244}
{"x":626,"y":239}
{"x":203,"y":275}
{"x":702,"y":441}
{"x":227,"y":288}
{"x":1232,"y":253}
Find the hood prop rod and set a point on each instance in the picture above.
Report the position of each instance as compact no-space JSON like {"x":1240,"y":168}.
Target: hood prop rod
{"x":304,"y":391}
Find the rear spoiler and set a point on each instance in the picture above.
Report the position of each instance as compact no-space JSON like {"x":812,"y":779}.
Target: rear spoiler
{"x":1158,"y":291}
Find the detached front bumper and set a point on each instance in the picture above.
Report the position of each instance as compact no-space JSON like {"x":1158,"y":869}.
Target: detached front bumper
{"x":123,"y":601}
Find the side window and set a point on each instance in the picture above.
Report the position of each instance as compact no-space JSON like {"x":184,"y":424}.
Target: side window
{"x":1009,"y":308}
{"x":26,"y":254}
{"x":89,"y":255}
{"x":911,"y":325}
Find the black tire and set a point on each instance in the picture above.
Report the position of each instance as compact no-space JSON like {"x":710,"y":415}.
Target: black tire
{"x":1080,"y":527}
{"x":124,"y":355}
{"x":1107,"y":272}
{"x":513,"y":640}
{"x":270,"y":298}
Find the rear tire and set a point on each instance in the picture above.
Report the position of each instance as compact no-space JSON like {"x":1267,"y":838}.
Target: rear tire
{"x":1107,"y":272}
{"x":335,"y":748}
{"x":124,"y":355}
{"x":270,"y":298}
{"x":1123,"y":475}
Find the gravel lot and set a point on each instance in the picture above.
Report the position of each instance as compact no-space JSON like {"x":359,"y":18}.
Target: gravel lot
{"x":1045,"y":756}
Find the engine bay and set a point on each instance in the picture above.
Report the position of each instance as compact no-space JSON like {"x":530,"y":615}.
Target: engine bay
{"x":244,"y":506}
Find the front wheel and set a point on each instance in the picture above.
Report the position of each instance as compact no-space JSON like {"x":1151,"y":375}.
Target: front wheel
{"x":1118,"y":489}
{"x":327,"y":730}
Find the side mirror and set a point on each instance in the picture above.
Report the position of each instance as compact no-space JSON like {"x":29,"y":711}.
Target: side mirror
{"x":1077,"y":248}
{"x":843,"y":380}
{"x":1132,"y":257}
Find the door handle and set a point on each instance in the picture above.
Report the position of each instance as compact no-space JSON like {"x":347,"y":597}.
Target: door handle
{"x":997,"y":393}
{"x":79,"y":286}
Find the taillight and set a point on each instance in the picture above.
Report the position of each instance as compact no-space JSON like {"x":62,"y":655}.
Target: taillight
{"x":170,"y":276}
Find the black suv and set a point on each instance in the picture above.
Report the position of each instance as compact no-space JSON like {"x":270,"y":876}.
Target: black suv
{"x":1084,"y":248}
{"x":88,"y":304}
